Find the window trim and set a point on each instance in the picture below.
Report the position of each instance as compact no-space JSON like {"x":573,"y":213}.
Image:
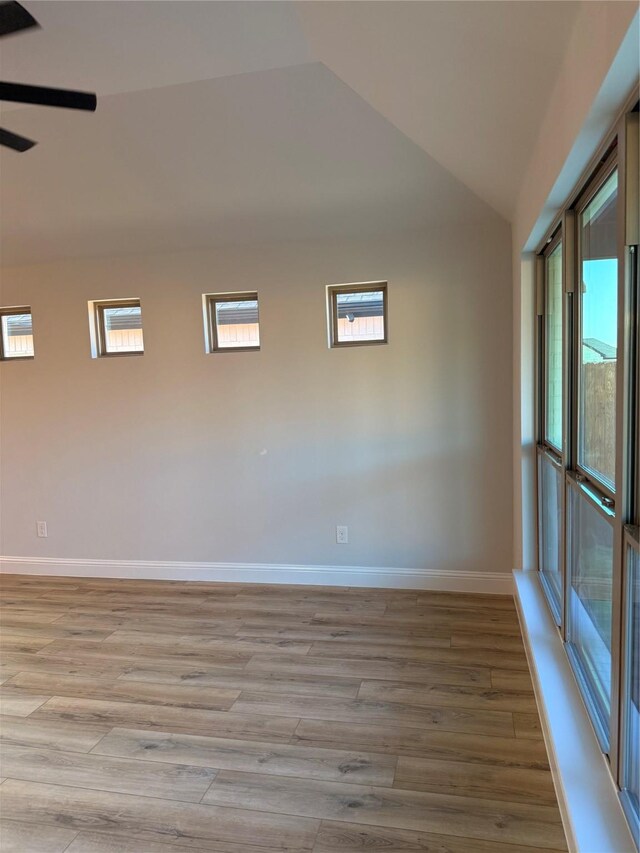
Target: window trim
{"x":210,"y":301}
{"x":333,"y":290}
{"x":98,"y":307}
{"x":10,"y":312}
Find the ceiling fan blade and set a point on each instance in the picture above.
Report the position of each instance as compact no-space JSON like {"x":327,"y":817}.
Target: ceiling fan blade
{"x":14,"y":17}
{"x":45,"y":97}
{"x":12,"y":140}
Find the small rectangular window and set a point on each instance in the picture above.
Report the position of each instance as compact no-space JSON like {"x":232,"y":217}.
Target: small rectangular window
{"x":232,"y":322}
{"x":358,"y":314}
{"x":118,"y":327}
{"x":16,"y":340}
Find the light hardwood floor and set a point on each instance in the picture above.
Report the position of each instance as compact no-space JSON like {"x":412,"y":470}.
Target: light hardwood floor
{"x":163,"y":717}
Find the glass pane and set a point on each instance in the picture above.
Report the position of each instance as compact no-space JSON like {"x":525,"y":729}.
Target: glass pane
{"x":123,"y":329}
{"x":17,"y":335}
{"x":590,"y":556}
{"x":550,"y":480}
{"x":631,"y":761}
{"x":237,"y":324}
{"x":360,"y":316}
{"x":599,"y":306}
{"x":553,"y":347}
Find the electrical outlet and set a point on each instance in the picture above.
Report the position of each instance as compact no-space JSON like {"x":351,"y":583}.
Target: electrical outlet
{"x":342,"y":534}
{"x":41,"y":527}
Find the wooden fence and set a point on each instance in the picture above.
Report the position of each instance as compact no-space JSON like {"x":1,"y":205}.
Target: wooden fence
{"x":599,"y":423}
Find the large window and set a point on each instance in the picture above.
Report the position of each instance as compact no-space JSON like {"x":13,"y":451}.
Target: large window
{"x":591,"y":519}
{"x":588,"y":454}
{"x":16,"y":341}
{"x":598,"y":232}
{"x":630,"y":752}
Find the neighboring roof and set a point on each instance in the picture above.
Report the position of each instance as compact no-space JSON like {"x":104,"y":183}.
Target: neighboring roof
{"x":124,"y":318}
{"x":17,"y":325}
{"x":232,"y":313}
{"x":364,"y":304}
{"x":605,"y":350}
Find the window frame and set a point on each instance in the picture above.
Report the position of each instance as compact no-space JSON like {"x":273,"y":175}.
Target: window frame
{"x":334,"y":290}
{"x":11,"y":312}
{"x":545,"y":448}
{"x":602,"y":724}
{"x":544,"y":454}
{"x":631,"y":531}
{"x":611,"y":502}
{"x":98,"y":308}
{"x":211,"y":300}
{"x":601,"y":175}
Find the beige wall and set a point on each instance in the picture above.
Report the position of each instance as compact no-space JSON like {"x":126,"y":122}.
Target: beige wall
{"x":256,"y":456}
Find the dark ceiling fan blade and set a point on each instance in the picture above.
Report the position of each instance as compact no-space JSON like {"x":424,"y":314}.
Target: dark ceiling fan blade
{"x":14,"y":17}
{"x":12,"y":140}
{"x":45,"y":97}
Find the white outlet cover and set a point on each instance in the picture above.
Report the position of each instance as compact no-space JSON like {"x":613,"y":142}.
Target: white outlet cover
{"x":342,"y":534}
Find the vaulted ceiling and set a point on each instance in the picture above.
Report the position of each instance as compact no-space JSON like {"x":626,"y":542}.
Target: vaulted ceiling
{"x":220,"y":121}
{"x":467,"y":81}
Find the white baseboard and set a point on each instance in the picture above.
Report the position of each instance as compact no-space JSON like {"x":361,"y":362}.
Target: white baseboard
{"x":591,"y":811}
{"x":360,"y":576}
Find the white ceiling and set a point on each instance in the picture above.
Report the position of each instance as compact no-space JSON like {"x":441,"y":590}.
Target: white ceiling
{"x":290,"y":153}
{"x":467,"y":81}
{"x":221,"y":121}
{"x":109,"y":46}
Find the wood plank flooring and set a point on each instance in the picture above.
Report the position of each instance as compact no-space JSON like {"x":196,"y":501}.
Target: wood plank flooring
{"x":165,"y":717}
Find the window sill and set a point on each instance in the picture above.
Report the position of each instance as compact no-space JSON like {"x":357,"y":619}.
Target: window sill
{"x":591,"y":810}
